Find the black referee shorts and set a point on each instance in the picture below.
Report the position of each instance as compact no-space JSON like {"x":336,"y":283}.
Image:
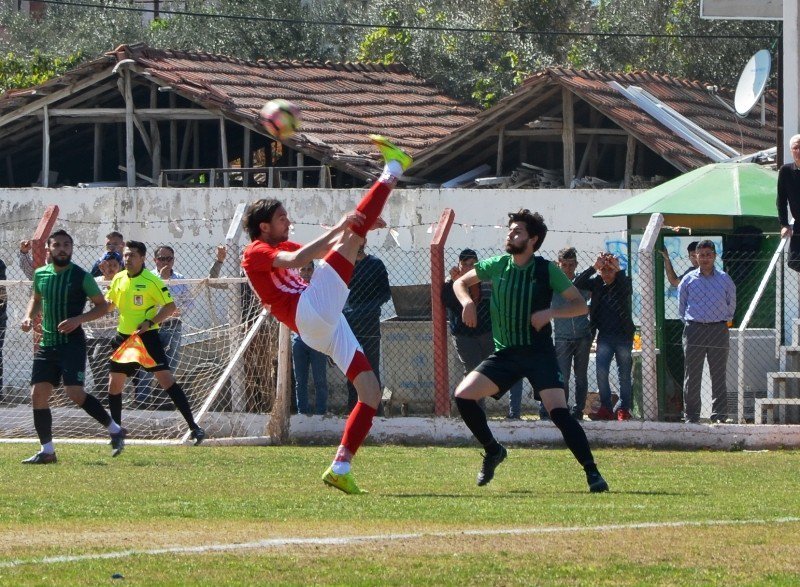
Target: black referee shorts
{"x":67,"y":362}
{"x":538,"y":365}
{"x":152,"y":343}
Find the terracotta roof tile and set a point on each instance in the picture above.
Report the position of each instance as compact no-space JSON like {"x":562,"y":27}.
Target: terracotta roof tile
{"x":341,"y":102}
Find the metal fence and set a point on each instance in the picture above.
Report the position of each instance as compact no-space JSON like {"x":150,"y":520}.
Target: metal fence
{"x":390,"y":310}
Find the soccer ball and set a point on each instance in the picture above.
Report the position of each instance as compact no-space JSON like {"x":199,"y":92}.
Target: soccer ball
{"x":280,"y":118}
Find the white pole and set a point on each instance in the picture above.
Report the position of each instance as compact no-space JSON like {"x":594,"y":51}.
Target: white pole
{"x":648,"y":327}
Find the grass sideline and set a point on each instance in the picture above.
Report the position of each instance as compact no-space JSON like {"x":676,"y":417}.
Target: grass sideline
{"x":709,"y":517}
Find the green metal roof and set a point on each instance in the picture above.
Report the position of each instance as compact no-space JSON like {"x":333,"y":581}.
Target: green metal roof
{"x":719,"y":189}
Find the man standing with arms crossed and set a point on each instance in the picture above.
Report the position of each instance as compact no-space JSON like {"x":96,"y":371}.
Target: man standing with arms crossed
{"x":60,"y":290}
{"x":314,"y":310}
{"x":522,"y":287}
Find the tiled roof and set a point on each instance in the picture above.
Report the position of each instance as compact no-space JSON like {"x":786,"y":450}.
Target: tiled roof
{"x":689,"y":98}
{"x":540,"y":95}
{"x":341,"y":103}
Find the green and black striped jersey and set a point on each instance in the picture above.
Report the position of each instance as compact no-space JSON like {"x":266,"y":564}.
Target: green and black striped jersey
{"x":63,"y":295}
{"x":518,"y":292}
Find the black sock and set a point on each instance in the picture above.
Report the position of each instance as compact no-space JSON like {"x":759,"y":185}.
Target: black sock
{"x":93,"y":407}
{"x":115,"y":407}
{"x":181,"y":402}
{"x":574,"y":436}
{"x":43,"y":422}
{"x":475,"y":419}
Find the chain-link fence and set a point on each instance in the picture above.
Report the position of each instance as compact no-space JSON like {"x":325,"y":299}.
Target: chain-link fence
{"x":390,"y":311}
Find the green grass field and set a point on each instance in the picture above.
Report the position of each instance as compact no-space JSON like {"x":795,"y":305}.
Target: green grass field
{"x":671,"y":518}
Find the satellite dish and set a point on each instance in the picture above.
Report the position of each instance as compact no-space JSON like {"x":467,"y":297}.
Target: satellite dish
{"x":752,"y":82}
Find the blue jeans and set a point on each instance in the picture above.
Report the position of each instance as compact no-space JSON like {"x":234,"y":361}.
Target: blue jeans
{"x":169,"y":334}
{"x":302,"y":357}
{"x":608,"y":348}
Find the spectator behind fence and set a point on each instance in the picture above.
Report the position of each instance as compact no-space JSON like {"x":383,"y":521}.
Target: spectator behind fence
{"x":26,"y":260}
{"x":369,"y":290}
{"x":101,"y":332}
{"x":473,"y":345}
{"x":114,"y":244}
{"x":672,"y":277}
{"x":707,"y":302}
{"x":304,"y":356}
{"x":573,"y":338}
{"x":610,"y":316}
{"x":789,"y":194}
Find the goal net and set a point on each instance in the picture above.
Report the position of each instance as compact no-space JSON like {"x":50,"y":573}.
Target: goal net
{"x":224,"y":350}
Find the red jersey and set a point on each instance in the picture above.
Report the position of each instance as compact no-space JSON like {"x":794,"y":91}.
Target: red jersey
{"x":279,"y":288}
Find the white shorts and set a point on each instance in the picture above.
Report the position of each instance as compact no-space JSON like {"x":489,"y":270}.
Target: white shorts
{"x":319,"y":318}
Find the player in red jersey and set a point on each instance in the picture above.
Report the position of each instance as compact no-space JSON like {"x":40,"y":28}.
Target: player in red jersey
{"x":314,"y":310}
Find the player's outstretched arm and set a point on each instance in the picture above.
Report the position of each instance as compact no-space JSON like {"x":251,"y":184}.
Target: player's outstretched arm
{"x":320,"y":246}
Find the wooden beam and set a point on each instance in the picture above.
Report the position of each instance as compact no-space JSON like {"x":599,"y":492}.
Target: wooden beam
{"x":223,"y":147}
{"x":585,"y":158}
{"x":246,"y":156}
{"x":196,"y":143}
{"x":155,"y":136}
{"x":501,"y":136}
{"x":300,"y":162}
{"x":568,"y":135}
{"x":630,"y":157}
{"x":148,"y":114}
{"x":54,"y":97}
{"x":173,"y":135}
{"x":130,"y":160}
{"x":554,"y":132}
{"x":97,"y":159}
{"x":45,"y":148}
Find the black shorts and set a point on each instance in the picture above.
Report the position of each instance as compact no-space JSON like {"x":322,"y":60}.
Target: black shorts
{"x":507,"y":366}
{"x":152,"y":343}
{"x":67,"y":362}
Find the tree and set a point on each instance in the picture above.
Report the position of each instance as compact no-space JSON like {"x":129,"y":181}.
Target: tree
{"x":23,"y":72}
{"x":483,"y":65}
{"x":713,"y":60}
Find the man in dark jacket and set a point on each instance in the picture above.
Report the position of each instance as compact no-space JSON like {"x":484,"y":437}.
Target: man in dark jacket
{"x":610,"y":315}
{"x":369,"y":290}
{"x":473,"y":345}
{"x":789,"y":195}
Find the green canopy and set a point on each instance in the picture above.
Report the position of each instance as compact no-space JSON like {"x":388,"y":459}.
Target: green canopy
{"x":720,"y":189}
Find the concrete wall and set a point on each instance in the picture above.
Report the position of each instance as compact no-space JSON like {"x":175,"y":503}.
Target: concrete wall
{"x":202,"y":216}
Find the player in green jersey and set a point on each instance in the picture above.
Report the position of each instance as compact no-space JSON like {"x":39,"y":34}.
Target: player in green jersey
{"x":522,"y":288}
{"x":60,"y":290}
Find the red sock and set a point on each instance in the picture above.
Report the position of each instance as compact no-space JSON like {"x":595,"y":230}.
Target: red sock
{"x":341,"y":265}
{"x":357,"y":427}
{"x":371,"y":205}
